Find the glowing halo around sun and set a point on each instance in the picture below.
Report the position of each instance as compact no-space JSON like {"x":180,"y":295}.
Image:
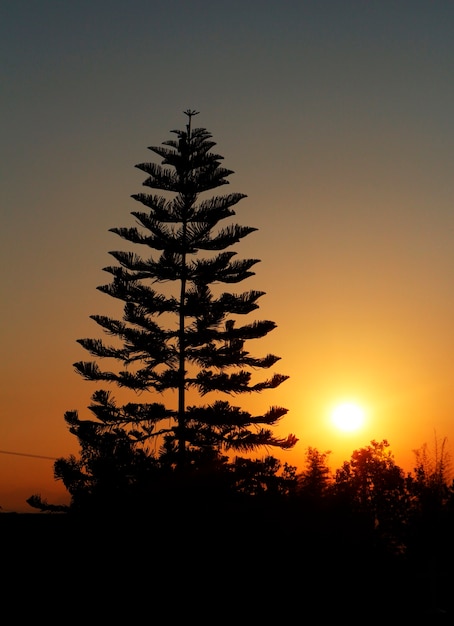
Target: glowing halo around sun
{"x":348,"y":417}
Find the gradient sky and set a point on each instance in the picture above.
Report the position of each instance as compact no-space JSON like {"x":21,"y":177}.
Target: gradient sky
{"x":337,"y":119}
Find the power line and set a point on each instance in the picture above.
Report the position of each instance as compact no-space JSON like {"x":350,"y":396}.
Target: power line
{"x":34,"y":456}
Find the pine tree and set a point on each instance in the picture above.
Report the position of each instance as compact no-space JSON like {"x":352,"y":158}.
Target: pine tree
{"x":186,"y":338}
{"x":315,"y":480}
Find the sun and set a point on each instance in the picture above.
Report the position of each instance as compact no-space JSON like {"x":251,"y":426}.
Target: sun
{"x":348,"y":416}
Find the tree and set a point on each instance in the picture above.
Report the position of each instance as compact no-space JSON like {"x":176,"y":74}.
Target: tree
{"x":264,"y":477}
{"x":375,"y":487}
{"x":430,"y":540}
{"x":430,"y":480}
{"x":186,"y":338}
{"x":315,"y":479}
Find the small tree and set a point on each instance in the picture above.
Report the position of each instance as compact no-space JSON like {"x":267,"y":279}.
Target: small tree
{"x":430,"y":539}
{"x":431,"y":476}
{"x":186,"y":338}
{"x":315,"y":479}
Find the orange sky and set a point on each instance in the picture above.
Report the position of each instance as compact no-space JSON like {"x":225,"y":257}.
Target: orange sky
{"x":337,"y":120}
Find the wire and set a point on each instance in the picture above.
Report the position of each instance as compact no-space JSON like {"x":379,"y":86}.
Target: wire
{"x":34,"y":456}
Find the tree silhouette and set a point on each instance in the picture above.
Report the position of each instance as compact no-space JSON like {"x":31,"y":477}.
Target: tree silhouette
{"x":315,"y":480}
{"x":185,"y":339}
{"x":375,"y":488}
{"x":431,"y":474}
{"x":430,"y":540}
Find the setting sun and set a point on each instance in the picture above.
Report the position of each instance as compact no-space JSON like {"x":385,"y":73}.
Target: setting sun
{"x":347,"y":416}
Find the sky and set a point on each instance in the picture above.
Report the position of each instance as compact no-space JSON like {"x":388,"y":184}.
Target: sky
{"x":336,"y":118}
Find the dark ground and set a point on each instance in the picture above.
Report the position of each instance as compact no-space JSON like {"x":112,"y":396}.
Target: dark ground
{"x":209,"y":568}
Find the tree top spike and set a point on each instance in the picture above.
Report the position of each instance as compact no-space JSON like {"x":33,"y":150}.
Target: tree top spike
{"x":189,"y":113}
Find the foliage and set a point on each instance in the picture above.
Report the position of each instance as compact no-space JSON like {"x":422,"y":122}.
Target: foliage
{"x":37,"y":502}
{"x":258,"y":477}
{"x":315,"y":479}
{"x":431,"y":475}
{"x":375,"y":487}
{"x":188,"y":337}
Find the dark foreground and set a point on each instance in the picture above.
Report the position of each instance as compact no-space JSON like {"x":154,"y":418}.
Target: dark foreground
{"x":213,"y":567}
